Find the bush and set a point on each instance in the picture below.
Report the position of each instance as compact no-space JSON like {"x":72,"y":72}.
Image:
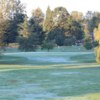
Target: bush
{"x":69,"y":41}
{"x":25,"y":44}
{"x":96,"y":43}
{"x":47,"y":45}
{"x":88,"y":43}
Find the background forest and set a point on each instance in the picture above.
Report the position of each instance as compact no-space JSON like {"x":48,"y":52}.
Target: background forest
{"x":55,"y":28}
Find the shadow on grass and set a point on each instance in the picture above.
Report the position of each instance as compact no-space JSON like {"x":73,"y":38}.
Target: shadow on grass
{"x":84,"y":58}
{"x":13,"y":60}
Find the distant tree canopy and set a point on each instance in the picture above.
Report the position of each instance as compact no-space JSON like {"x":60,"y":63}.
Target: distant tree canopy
{"x":92,"y":19}
{"x":36,"y":31}
{"x":31,"y":32}
{"x":93,"y":23}
{"x":60,"y":26}
{"x":48,"y":21}
{"x":3,"y":28}
{"x":60,"y":15}
{"x":77,"y":16}
{"x":56,"y":35}
{"x":23,"y":28}
{"x":11,"y":14}
{"x":38,"y":16}
{"x":12,"y":33}
{"x":55,"y":28}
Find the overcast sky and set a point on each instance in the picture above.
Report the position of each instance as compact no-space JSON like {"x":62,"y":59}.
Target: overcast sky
{"x":71,"y":5}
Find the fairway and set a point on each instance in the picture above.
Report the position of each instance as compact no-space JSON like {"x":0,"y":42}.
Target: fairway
{"x":44,"y":58}
{"x":49,"y":50}
{"x":49,"y":76}
{"x":44,"y":84}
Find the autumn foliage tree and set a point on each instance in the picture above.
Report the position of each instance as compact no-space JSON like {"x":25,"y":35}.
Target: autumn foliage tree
{"x":48,"y":21}
{"x":97,"y":38}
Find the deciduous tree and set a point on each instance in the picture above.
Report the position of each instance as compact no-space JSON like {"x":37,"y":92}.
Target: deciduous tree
{"x":48,"y":21}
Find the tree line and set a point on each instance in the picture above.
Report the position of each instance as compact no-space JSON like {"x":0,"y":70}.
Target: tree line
{"x":56,"y":27}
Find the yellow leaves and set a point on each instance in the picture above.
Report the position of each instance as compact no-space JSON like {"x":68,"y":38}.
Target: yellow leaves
{"x":97,"y":38}
{"x":77,"y":15}
{"x":6,"y":7}
{"x":97,"y":33}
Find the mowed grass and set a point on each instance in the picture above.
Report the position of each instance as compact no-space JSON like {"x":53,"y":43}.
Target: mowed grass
{"x":49,"y":76}
{"x":47,"y":58}
{"x":49,"y":83}
{"x":56,"y":56}
{"x":5,"y":59}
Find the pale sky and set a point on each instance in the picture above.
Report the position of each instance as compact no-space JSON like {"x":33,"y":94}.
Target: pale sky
{"x":70,"y":5}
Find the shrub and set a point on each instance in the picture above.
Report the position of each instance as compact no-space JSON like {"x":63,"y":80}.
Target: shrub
{"x":69,"y":41}
{"x":96,"y":43}
{"x":26,"y":45}
{"x":88,"y":43}
{"x":47,"y":45}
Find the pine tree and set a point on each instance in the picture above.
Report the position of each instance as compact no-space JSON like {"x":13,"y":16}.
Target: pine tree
{"x":26,"y":40}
